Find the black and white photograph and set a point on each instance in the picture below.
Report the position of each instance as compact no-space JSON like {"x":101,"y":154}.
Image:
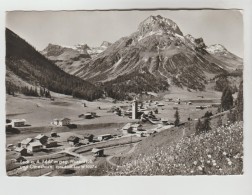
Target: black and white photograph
{"x":124,"y":92}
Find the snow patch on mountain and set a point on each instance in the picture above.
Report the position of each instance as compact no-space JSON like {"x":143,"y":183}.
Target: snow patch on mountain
{"x":217,"y":48}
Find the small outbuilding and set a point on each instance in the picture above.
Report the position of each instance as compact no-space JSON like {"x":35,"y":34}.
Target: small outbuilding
{"x":51,"y":143}
{"x":72,"y":140}
{"x":104,"y":137}
{"x":88,"y":116}
{"x":98,"y":152}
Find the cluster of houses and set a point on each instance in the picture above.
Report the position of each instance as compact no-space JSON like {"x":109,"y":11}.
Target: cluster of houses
{"x":30,"y":145}
{"x":136,"y":129}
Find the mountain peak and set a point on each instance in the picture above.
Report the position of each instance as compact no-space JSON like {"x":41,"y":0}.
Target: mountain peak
{"x":158,"y":24}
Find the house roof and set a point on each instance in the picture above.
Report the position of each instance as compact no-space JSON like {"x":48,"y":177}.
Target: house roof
{"x":18,"y":120}
{"x":40,"y":136}
{"x":27,"y":140}
{"x":95,"y":150}
{"x":34,"y":144}
{"x":73,"y":138}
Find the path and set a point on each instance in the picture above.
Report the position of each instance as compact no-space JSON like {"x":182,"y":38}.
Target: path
{"x":108,"y":159}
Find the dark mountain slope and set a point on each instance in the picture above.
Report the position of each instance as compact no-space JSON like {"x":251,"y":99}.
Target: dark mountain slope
{"x":32,"y":67}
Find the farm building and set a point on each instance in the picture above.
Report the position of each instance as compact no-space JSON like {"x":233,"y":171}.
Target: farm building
{"x":88,"y":137}
{"x":51,"y":143}
{"x":34,"y":147}
{"x":127,"y":128}
{"x":104,"y":137}
{"x":61,"y":122}
{"x":98,"y":152}
{"x":54,"y":134}
{"x":137,"y":127}
{"x":72,"y":140}
{"x":21,"y":159}
{"x":24,"y":143}
{"x":88,"y":116}
{"x":42,"y":138}
{"x":22,"y":151}
{"x":18,"y":122}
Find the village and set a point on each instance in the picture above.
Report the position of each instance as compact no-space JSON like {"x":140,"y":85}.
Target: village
{"x":63,"y":136}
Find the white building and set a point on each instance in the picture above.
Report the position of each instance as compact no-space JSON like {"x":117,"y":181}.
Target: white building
{"x":18,"y":122}
{"x":61,"y":122}
{"x":34,"y":147}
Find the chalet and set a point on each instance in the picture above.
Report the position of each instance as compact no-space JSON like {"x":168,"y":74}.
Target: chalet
{"x":51,"y":143}
{"x":104,"y":137}
{"x":98,"y":152}
{"x":137,"y":127}
{"x":42,"y":138}
{"x":22,"y":151}
{"x":127,"y":128}
{"x":88,"y":137}
{"x":34,"y":147}
{"x":24,"y":143}
{"x":88,"y":116}
{"x":18,"y":122}
{"x":61,"y":122}
{"x":72,"y":140}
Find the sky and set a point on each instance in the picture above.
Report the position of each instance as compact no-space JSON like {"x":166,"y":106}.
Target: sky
{"x":68,"y":28}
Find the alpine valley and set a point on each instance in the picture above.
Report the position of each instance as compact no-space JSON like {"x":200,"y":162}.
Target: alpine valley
{"x":157,"y":57}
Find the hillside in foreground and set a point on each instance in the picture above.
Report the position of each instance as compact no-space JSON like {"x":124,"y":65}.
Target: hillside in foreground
{"x":219,"y":152}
